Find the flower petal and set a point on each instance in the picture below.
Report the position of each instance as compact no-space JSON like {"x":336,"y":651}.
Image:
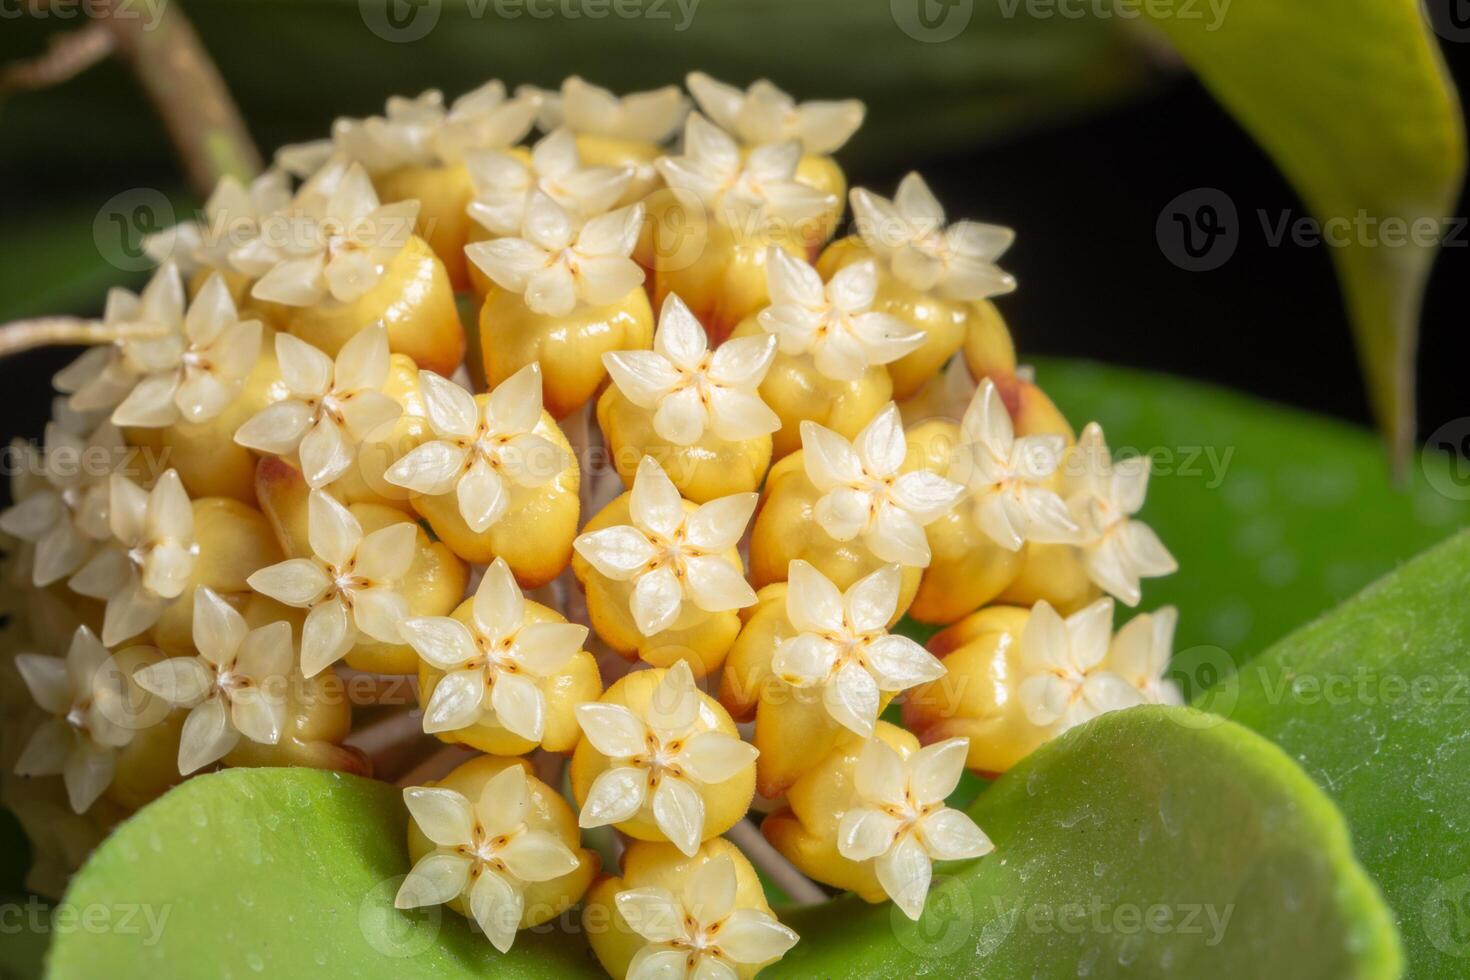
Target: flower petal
{"x":872,"y":601}
{"x":218,"y":629}
{"x":852,"y":699}
{"x":277,"y":429}
{"x":679,"y":336}
{"x":387,"y":554}
{"x":444,"y":816}
{"x":437,"y":878}
{"x":432,"y":468}
{"x":537,"y":855}
{"x":713,"y":757}
{"x":442,"y":641}
{"x":830,"y":460}
{"x":543,"y":649}
{"x":813,"y":603}
{"x":520,"y":707}
{"x":865,"y":832}
{"x":615,"y":796}
{"x":482,"y":497}
{"x":326,"y":636}
{"x":298,"y":582}
{"x":643,"y":376}
{"x":898,"y":663}
{"x":181,"y":681}
{"x":616,"y":552}
{"x":656,"y":601}
{"x":87,"y":773}
{"x":378,"y":612}
{"x":716,"y":585}
{"x":612,"y":729}
{"x":653,"y":913}
{"x":457,"y":702}
{"x":935,"y":770}
{"x":206,"y":736}
{"x":678,"y":810}
{"x":949,"y":835}
{"x":719,"y":524}
{"x":905,"y":873}
{"x":751,"y":936}
{"x":805,"y":660}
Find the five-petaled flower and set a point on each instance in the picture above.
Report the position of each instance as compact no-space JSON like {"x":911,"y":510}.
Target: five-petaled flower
{"x":232,"y":217}
{"x":350,"y":584}
{"x":1140,"y":654}
{"x":484,"y":851}
{"x":672,"y":556}
{"x":104,"y":375}
{"x":493,"y":664}
{"x":235,"y":686}
{"x":480,"y":447}
{"x":327,"y":407}
{"x":661,"y":760}
{"x":899,"y":820}
{"x":691,"y":389}
{"x":587,"y":109}
{"x":85,"y":698}
{"x":702,"y":933}
{"x":149,"y":562}
{"x":843,"y":646}
{"x":559,"y":263}
{"x":908,"y":232}
{"x":765,"y":114}
{"x":1103,"y":496}
{"x":832,"y":322}
{"x":864,"y":494}
{"x":1066,"y":681}
{"x":504,"y":184}
{"x":1007,"y":477}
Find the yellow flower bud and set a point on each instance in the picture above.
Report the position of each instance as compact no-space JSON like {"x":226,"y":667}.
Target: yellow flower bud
{"x":443,"y":192}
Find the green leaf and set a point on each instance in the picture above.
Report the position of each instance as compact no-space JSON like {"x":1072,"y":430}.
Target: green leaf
{"x":1276,"y":515}
{"x":1139,"y":814}
{"x":280,"y":872}
{"x":1372,"y":700}
{"x":1352,"y":101}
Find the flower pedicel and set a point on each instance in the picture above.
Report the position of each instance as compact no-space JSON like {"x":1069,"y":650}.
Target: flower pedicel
{"x":295,"y":484}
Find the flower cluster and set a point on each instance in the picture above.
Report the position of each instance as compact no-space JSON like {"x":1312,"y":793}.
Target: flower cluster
{"x":344,"y":496}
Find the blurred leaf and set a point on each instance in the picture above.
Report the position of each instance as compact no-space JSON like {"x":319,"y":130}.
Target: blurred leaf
{"x":1372,"y":700}
{"x":1352,"y":101}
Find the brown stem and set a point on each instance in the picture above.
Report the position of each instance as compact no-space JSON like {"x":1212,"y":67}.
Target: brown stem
{"x":23,"y":335}
{"x":67,"y":56}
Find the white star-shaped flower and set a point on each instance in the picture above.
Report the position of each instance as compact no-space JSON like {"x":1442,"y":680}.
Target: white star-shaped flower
{"x":198,"y":368}
{"x":899,"y":820}
{"x":842,"y":645}
{"x":587,"y":109}
{"x":743,"y":190}
{"x":350,"y":584}
{"x":81,"y":738}
{"x":957,"y":262}
{"x":324,"y":408}
{"x":558,"y":265}
{"x":151,"y":559}
{"x":235,"y":686}
{"x":494,"y":665}
{"x":832,"y":322}
{"x":478,"y":450}
{"x":864,"y":495}
{"x":1007,"y":477}
{"x":1066,"y":682}
{"x":691,"y":389}
{"x":147,"y":329}
{"x":660,"y":760}
{"x":334,"y":241}
{"x":765,"y":114}
{"x":1103,"y":496}
{"x":672,"y":557}
{"x":484,"y":851}
{"x":65,"y":514}
{"x":504,"y":184}
{"x":1140,"y":654}
{"x":701,"y":934}
{"x":232,"y":217}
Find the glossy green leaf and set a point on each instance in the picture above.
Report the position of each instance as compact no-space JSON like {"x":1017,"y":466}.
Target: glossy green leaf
{"x":280,"y":873}
{"x":1373,"y":701}
{"x":1352,"y":101}
{"x":1211,"y":835}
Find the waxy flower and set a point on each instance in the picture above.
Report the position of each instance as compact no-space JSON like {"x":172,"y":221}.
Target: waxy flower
{"x":584,"y":108}
{"x":1066,"y":681}
{"x":765,"y":114}
{"x":1007,"y":476}
{"x":672,"y":556}
{"x":195,"y":370}
{"x":328,"y":408}
{"x":485,"y":851}
{"x":842,"y":645}
{"x":334,"y":242}
{"x":702,"y":933}
{"x":150,"y":561}
{"x":691,"y":389}
{"x":557,"y":264}
{"x":81,"y":739}
{"x":477,"y":450}
{"x":865,"y":496}
{"x":1103,"y":496}
{"x":350,"y":584}
{"x":900,"y":821}
{"x":103,"y":376}
{"x":741,"y":190}
{"x":235,"y":686}
{"x":65,"y":514}
{"x":493,"y":664}
{"x":1140,"y":654}
{"x":662,"y":759}
{"x":957,"y":262}
{"x":504,"y":184}
{"x":232,"y":217}
{"x":832,"y":322}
